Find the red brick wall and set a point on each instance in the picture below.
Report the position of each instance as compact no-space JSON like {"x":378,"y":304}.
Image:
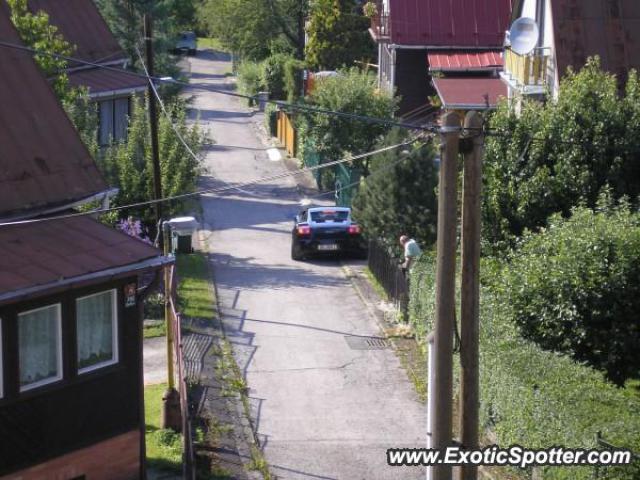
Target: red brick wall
{"x":115,"y":459}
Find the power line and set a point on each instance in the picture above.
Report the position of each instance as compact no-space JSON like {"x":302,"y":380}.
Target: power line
{"x":211,"y":190}
{"x":280,"y":103}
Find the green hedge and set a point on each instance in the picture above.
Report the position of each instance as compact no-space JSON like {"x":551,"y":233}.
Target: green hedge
{"x":532,"y":397}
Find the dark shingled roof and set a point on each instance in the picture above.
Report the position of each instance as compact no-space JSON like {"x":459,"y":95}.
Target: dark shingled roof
{"x":49,"y":255}
{"x":449,"y":23}
{"x":81,"y":24}
{"x":43,"y":162}
{"x":101,"y":82}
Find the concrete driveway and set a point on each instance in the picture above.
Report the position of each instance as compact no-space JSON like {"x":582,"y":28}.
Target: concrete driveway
{"x":325,"y":406}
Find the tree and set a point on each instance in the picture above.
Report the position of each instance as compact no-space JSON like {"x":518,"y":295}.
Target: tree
{"x":549,"y":158}
{"x":399,"y":196}
{"x":254,"y":29}
{"x":575,"y":288}
{"x":338,"y":35}
{"x":352,"y":91}
{"x":129,"y":165}
{"x":36,"y":32}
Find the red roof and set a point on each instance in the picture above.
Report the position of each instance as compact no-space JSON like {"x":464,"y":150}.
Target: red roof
{"x":43,"y":162}
{"x":104,"y":82}
{"x":50,"y":255}
{"x":449,"y":23}
{"x":449,"y":61}
{"x":470,"y":93}
{"x":81,"y":24}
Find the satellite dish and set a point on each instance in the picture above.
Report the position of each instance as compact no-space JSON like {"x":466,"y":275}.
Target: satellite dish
{"x":524,"y":35}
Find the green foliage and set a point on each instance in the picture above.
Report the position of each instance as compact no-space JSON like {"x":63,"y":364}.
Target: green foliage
{"x":250,"y":79}
{"x":129,"y":165}
{"x":255,"y":29}
{"x":337,"y":35}
{"x":271,"y":119}
{"x":273,"y":75}
{"x":84,"y":115}
{"x":575,"y":289}
{"x":293,"y":70}
{"x":163,"y":447}
{"x":589,"y":138}
{"x":353,"y":92}
{"x":399,"y":196}
{"x":36,"y":32}
{"x":529,"y":396}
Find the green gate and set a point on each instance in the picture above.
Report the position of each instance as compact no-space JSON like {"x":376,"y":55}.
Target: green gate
{"x":346,"y":184}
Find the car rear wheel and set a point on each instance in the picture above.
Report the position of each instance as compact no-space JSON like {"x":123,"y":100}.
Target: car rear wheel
{"x":296,"y":252}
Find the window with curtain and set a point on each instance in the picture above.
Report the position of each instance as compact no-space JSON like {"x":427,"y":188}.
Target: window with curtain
{"x":97,"y":330}
{"x":40,"y":346}
{"x":114,"y":120}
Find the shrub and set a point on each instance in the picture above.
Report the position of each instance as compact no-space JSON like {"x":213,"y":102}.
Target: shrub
{"x":273,"y":75}
{"x":575,"y":288}
{"x":529,"y":396}
{"x":293,"y":70}
{"x":250,"y":79}
{"x":271,"y":119}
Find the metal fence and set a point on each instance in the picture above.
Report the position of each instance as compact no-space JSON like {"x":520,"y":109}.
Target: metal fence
{"x":188,"y":466}
{"x":386,"y":269}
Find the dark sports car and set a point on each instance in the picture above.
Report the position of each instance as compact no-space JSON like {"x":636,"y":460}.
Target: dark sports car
{"x":325,"y":230}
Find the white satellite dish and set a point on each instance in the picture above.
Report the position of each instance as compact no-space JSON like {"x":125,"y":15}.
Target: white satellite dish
{"x":524,"y":35}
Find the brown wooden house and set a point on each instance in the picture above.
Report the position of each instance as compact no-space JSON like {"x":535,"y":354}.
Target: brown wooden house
{"x":81,"y":24}
{"x":71,"y":391}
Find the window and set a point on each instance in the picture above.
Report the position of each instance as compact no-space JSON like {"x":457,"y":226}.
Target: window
{"x":40,"y":346}
{"x":114,"y":120}
{"x":97,"y":328}
{"x":329,"y":216}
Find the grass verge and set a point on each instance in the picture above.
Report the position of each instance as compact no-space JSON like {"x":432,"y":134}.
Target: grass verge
{"x":164,"y":447}
{"x":194,"y":287}
{"x":376,"y":284}
{"x":154,"y":330}
{"x":212,"y":43}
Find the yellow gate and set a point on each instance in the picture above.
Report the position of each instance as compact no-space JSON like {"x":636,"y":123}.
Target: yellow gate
{"x":286,"y":133}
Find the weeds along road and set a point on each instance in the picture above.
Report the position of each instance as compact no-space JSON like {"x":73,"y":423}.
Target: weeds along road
{"x":322,"y":409}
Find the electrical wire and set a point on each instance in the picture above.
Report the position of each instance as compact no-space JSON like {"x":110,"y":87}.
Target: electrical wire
{"x":211,"y":190}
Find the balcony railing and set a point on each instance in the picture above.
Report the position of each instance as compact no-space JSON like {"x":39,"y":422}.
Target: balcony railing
{"x":527,"y":70}
{"x":380,"y":25}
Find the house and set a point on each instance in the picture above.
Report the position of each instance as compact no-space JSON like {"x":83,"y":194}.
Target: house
{"x":441,"y":40}
{"x":71,"y":391}
{"x":81,"y":24}
{"x":571,"y":31}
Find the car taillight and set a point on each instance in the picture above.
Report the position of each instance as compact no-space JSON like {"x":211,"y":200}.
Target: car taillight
{"x":304,"y":230}
{"x":354,"y":229}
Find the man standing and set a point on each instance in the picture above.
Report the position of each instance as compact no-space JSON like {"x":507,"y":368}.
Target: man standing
{"x":411,"y":252}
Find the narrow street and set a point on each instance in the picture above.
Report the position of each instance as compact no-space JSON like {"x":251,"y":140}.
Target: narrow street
{"x":324,"y":407}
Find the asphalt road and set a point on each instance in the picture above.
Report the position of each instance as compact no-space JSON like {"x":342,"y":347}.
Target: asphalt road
{"x":323,"y":409}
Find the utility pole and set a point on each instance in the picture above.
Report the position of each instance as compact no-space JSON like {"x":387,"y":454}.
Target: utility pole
{"x":470,"y":292}
{"x":441,"y":408}
{"x":153,"y":124}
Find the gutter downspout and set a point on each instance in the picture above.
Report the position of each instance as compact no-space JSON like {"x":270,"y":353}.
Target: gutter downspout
{"x":393,"y":67}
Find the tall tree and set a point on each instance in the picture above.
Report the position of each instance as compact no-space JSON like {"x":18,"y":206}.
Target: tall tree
{"x":399,"y":196}
{"x":338,"y":35}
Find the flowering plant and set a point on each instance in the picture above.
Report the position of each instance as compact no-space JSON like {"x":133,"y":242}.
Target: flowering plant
{"x":133,"y":228}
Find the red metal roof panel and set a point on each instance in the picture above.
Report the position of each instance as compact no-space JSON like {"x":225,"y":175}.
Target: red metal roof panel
{"x":82,"y":25}
{"x":43,"y":162}
{"x":447,"y":61}
{"x":101,"y":81}
{"x":449,"y":23}
{"x":470,"y":93}
{"x":38,"y":254}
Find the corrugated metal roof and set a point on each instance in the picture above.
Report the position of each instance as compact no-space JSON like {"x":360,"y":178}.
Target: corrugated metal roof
{"x":50,"y":253}
{"x":102,"y":82}
{"x":479,"y":93}
{"x":449,"y":23}
{"x":447,"y":61}
{"x":43,"y":162}
{"x":608,"y":28}
{"x":81,"y":24}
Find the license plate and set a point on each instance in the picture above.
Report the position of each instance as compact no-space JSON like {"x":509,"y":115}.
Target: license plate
{"x":328,"y":247}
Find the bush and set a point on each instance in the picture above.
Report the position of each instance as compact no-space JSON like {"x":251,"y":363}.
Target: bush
{"x":575,"y":288}
{"x":549,"y":158}
{"x":533,"y":397}
{"x":293,"y":71}
{"x":250,"y":79}
{"x":273,"y":75}
{"x":351,"y":92}
{"x":399,"y":196}
{"x":271,"y":119}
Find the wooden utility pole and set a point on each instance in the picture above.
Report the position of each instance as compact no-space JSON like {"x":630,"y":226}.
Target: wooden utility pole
{"x":441,"y":411}
{"x":153,"y":124}
{"x":470,"y":292}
